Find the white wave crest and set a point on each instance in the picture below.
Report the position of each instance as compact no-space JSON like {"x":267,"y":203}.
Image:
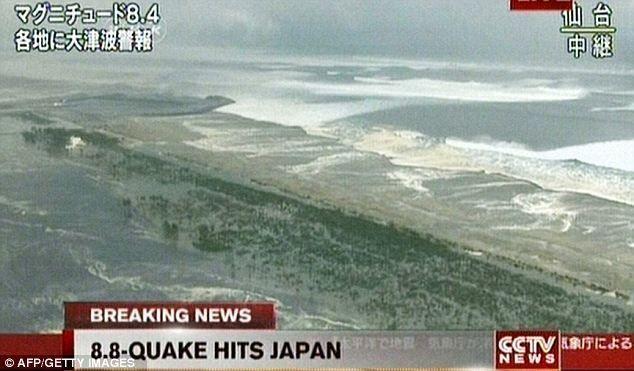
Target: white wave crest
{"x":628,"y":108}
{"x":409,"y":180}
{"x":473,"y":91}
{"x":546,"y":205}
{"x":293,"y":112}
{"x":549,"y":169}
{"x":323,"y":162}
{"x":613,"y":154}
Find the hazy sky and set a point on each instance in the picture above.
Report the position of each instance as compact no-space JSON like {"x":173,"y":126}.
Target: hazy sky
{"x":442,"y":29}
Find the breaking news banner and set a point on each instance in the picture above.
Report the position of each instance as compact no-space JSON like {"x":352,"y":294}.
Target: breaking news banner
{"x":195,"y":335}
{"x":122,"y":315}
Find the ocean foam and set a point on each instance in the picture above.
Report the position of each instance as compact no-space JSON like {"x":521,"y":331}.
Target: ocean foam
{"x":310,"y":116}
{"x":550,"y":171}
{"x":548,"y":206}
{"x":324,"y":162}
{"x":409,"y":180}
{"x":472,"y":91}
{"x":629,"y":107}
{"x":613,"y":154}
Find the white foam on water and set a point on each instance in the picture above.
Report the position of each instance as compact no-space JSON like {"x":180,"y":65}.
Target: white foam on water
{"x":629,"y":107}
{"x":291,"y":100}
{"x":296,"y":112}
{"x":374,"y":63}
{"x":614,"y":154}
{"x":548,"y":207}
{"x":323,"y":162}
{"x":297,"y":101}
{"x":409,"y":180}
{"x":471,"y":91}
{"x":549,"y":170}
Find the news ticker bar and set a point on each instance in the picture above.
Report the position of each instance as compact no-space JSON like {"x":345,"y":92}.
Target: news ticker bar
{"x":177,"y":335}
{"x":268,"y":349}
{"x":161,"y":349}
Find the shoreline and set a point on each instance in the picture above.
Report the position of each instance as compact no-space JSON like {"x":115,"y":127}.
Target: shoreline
{"x":171,"y":133}
{"x":164,"y":145}
{"x":309,"y":188}
{"x":450,"y":252}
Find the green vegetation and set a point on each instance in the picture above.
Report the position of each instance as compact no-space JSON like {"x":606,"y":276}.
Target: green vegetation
{"x":386,"y":276}
{"x":54,"y":140}
{"x":170,"y":231}
{"x":210,"y":240}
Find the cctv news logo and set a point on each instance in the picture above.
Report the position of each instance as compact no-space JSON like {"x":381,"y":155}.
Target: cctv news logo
{"x":527,"y":350}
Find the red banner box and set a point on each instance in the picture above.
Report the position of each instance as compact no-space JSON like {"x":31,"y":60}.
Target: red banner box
{"x":541,"y":5}
{"x":597,"y":351}
{"x":138,"y":315}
